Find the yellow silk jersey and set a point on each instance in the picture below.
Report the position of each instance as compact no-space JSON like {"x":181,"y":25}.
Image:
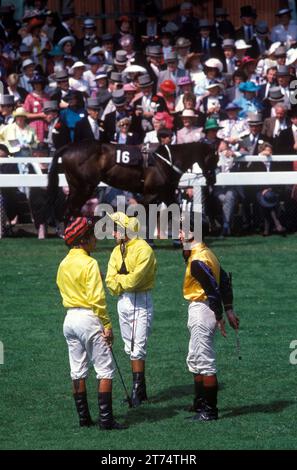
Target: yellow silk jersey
{"x":141,"y":266}
{"x":192,"y":289}
{"x":80,"y":284}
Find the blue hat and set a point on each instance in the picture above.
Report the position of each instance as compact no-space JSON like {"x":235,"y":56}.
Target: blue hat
{"x":231,"y":106}
{"x":56,"y":51}
{"x":249,"y":86}
{"x":94,"y":60}
{"x":38,"y":78}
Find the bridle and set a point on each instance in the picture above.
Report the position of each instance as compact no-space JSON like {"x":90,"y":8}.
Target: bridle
{"x":169,"y":161}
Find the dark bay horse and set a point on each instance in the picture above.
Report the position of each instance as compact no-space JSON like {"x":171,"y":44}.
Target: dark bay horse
{"x":86,"y":164}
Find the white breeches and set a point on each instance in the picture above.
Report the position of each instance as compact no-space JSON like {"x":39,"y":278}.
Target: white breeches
{"x":135,"y":311}
{"x":82,"y":330}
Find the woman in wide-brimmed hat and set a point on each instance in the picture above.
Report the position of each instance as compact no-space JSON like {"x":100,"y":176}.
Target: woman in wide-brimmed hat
{"x":18,"y":136}
{"x":193,"y":65}
{"x":248,"y":102}
{"x":213,"y":69}
{"x":34,"y":103}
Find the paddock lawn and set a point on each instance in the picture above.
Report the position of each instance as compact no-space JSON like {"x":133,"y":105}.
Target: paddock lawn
{"x":258,"y":395}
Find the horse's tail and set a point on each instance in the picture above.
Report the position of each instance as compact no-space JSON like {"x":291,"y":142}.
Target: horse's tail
{"x":53,"y":177}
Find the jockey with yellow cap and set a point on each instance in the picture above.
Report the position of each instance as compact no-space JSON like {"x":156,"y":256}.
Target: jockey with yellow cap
{"x":131,"y":275}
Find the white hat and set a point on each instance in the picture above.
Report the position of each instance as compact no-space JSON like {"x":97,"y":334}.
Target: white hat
{"x":214,"y":63}
{"x":241,"y":44}
{"x":101,"y":75}
{"x":96,"y":50}
{"x":65,"y":39}
{"x":291,"y":56}
{"x":273,"y":47}
{"x":77,"y":64}
{"x":213,"y":85}
{"x":189,"y":113}
{"x":27,"y":62}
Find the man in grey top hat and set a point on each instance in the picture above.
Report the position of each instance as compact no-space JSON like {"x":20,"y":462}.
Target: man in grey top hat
{"x":249,"y":144}
{"x":7,"y":105}
{"x":260,"y":42}
{"x":58,"y":133}
{"x":61,"y":78}
{"x":88,"y":128}
{"x":283,"y":78}
{"x":172,"y":71}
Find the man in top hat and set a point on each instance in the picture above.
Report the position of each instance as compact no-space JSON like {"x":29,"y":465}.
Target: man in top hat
{"x":148,"y":104}
{"x":186,"y":22}
{"x":107,"y":41}
{"x":120,"y":111}
{"x":283,"y":79}
{"x":88,"y":128}
{"x":207,"y":43}
{"x":155,"y":60}
{"x":248,"y":17}
{"x":229,"y":60}
{"x":260,"y":42}
{"x":65,"y":28}
{"x":88,"y":40}
{"x":7,"y":104}
{"x":61,"y":78}
{"x":120,"y":61}
{"x":286,"y":30}
{"x":222,"y":25}
{"x":249,"y":144}
{"x":274,"y":97}
{"x":58,"y":133}
{"x":173,"y":71}
{"x":150,"y":29}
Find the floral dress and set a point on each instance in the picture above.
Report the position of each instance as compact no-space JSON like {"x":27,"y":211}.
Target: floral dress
{"x":34,"y":104}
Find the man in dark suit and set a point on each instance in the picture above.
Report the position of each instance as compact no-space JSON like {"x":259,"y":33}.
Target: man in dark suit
{"x":121,"y":111}
{"x":65,"y":28}
{"x":62,"y":79}
{"x":207,"y":42}
{"x":88,"y":128}
{"x":286,"y":143}
{"x":260,"y":42}
{"x":270,"y":82}
{"x":150,"y":29}
{"x":248,"y":16}
{"x":249,"y":144}
{"x":58,"y":133}
{"x":273,"y":126}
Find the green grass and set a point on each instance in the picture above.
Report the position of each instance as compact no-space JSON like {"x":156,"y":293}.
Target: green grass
{"x":257,"y":398}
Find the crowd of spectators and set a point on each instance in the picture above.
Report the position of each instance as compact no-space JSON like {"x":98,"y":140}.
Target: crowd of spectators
{"x":184,"y":80}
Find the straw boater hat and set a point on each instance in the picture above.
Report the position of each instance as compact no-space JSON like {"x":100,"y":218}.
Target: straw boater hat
{"x":19,"y":112}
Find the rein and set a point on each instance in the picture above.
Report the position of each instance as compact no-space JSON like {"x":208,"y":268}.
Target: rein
{"x":169,"y":162}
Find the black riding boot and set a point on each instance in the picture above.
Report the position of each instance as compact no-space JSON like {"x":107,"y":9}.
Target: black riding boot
{"x":82,"y":407}
{"x":209,"y":411}
{"x":106,"y":419}
{"x":139,"y":389}
{"x":198,"y":402}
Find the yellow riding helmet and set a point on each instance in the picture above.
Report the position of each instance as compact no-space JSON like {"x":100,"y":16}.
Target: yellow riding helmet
{"x":127,"y":223}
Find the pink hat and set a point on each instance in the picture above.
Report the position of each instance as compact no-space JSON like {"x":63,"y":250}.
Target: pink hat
{"x":185,"y":81}
{"x":130,"y":87}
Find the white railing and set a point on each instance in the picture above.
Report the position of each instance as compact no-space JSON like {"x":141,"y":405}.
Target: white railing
{"x":187,"y":179}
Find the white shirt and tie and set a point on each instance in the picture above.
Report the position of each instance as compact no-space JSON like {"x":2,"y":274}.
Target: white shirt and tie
{"x":95,"y":127}
{"x":279,"y":126}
